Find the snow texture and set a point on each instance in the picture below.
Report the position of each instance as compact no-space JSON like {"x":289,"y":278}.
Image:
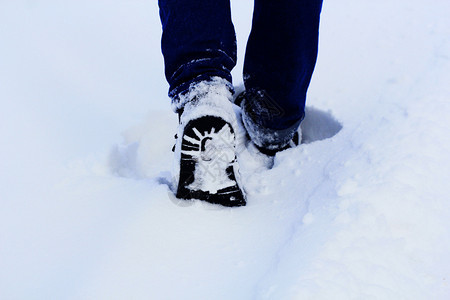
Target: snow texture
{"x":360,"y":210}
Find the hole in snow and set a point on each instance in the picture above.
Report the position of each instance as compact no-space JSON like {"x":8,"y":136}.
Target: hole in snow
{"x":318,"y":125}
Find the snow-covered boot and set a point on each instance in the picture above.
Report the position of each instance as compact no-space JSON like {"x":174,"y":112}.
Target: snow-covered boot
{"x":267,"y":141}
{"x":205,"y":149}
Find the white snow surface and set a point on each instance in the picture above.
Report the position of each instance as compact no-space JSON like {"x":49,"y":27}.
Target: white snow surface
{"x":361,"y":210}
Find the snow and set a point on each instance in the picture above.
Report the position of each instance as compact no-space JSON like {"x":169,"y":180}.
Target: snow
{"x":359,"y":211}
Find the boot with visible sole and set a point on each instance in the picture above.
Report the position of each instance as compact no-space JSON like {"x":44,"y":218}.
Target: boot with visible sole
{"x":206,"y":167}
{"x":207,"y":163}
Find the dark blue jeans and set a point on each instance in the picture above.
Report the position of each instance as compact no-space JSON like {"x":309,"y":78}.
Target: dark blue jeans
{"x":199,"y":43}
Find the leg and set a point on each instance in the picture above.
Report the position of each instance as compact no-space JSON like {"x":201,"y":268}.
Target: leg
{"x":279,"y":62}
{"x":199,"y":48}
{"x":198,"y":43}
